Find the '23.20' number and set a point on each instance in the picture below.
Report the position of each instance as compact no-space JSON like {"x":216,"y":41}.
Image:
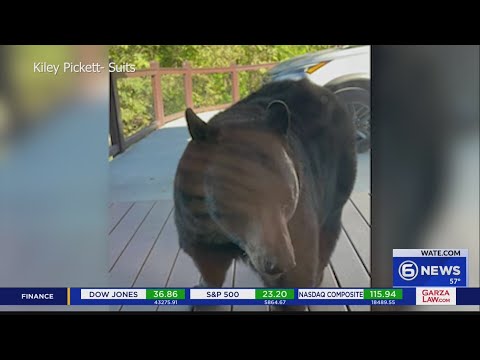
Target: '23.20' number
{"x":274,"y":294}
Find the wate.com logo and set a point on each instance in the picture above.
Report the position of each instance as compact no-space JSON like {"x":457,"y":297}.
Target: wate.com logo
{"x":429,"y":267}
{"x":408,"y":270}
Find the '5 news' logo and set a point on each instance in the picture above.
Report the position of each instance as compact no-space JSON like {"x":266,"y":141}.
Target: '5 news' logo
{"x":428,"y":267}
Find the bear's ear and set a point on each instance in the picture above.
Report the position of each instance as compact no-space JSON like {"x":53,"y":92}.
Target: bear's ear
{"x":197,"y":127}
{"x":278,"y":116}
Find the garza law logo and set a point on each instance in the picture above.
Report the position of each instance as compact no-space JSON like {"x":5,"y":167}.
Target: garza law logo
{"x":408,"y":270}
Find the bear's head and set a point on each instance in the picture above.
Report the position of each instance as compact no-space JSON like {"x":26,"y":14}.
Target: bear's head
{"x":250,"y":183}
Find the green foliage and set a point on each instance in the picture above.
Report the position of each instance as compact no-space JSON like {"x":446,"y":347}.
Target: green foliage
{"x":173,"y":94}
{"x":212,"y":89}
{"x":250,"y":81}
{"x":136,"y":104}
{"x":135,"y":94}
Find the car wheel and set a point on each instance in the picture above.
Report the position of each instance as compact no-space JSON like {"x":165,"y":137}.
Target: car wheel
{"x":356,"y":97}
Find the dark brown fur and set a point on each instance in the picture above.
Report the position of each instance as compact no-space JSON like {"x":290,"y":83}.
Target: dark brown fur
{"x":266,"y":181}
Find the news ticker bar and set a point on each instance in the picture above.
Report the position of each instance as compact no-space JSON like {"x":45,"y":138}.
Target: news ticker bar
{"x":227,"y":296}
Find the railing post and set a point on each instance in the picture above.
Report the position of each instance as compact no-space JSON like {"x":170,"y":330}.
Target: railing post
{"x":116,"y":124}
{"x":157,"y":94}
{"x":188,"y":84}
{"x":235,"y":83}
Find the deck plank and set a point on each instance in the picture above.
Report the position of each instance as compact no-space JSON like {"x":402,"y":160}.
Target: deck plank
{"x":245,"y":278}
{"x":158,"y":263}
{"x":184,"y":274}
{"x":148,"y":260}
{"x":117,"y":212}
{"x":123,"y":233}
{"x":361,"y":201}
{"x":329,"y":281}
{"x":348,"y":268}
{"x":358,"y":232}
{"x":123,"y":274}
{"x":128,"y":265}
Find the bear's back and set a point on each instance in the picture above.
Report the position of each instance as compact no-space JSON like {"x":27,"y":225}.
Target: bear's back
{"x":312,"y":107}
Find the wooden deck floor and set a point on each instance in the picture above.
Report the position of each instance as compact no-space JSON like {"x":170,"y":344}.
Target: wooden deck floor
{"x":144,"y":252}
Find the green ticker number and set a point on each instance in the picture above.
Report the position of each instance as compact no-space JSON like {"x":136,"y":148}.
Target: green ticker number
{"x":177,"y":294}
{"x":165,"y":294}
{"x":274,"y":294}
{"x":383,"y":294}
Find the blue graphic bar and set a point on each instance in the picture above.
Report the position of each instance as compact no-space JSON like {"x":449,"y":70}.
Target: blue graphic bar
{"x":33,"y":296}
{"x":430,"y":267}
{"x":184,"y":296}
{"x":468,"y":296}
{"x":83,"y":296}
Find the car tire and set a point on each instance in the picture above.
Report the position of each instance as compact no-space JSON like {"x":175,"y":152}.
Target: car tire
{"x":355,"y":95}
{"x":362,"y":83}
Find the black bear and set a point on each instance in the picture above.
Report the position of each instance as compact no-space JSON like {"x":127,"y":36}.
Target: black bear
{"x":266,"y":181}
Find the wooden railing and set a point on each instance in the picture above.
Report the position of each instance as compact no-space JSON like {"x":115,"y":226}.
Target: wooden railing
{"x":118,"y":141}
